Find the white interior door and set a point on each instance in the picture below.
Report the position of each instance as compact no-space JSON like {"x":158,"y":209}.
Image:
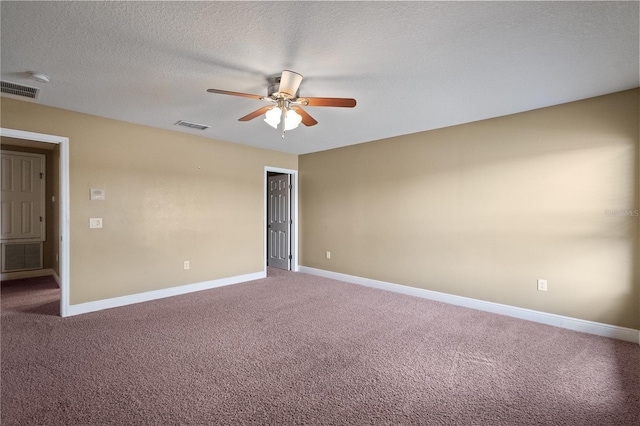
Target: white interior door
{"x":279,"y":222}
{"x":22,"y":196}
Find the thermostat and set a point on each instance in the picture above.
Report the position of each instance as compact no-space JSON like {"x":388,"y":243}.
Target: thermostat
{"x":97,"y":194}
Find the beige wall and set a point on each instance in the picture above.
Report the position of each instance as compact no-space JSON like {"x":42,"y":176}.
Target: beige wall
{"x":170,"y":197}
{"x":484,"y":209}
{"x":480,"y":210}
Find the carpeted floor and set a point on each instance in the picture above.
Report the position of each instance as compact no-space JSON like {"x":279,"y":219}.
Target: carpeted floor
{"x":298,"y":349}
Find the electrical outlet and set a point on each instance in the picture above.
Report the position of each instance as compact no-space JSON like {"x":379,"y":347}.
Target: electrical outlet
{"x":542,"y":285}
{"x":186,"y":264}
{"x":95,"y":222}
{"x":328,"y":255}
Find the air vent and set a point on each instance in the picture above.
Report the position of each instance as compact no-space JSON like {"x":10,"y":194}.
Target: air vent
{"x":21,"y":256}
{"x":20,"y":90}
{"x":192,"y":125}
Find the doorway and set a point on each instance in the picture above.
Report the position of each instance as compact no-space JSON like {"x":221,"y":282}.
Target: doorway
{"x":22,"y":138}
{"x":281,"y":219}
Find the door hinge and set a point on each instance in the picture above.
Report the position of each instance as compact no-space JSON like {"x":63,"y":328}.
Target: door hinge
{"x":290,"y":257}
{"x":41,"y":175}
{"x":40,"y":218}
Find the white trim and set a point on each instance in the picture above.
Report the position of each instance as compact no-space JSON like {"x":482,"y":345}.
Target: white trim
{"x":64,"y":205}
{"x":590,"y":327}
{"x":294,"y":213}
{"x":6,"y":276}
{"x":116,"y":302}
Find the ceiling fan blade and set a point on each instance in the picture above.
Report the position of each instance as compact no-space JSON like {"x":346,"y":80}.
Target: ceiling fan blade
{"x":256,"y":113}
{"x":328,"y":102}
{"x":226,"y":92}
{"x":289,"y":83}
{"x":307,"y":120}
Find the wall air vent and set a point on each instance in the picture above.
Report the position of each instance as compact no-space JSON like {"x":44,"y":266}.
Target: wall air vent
{"x":19,"y":90}
{"x":21,"y":256}
{"x":192,"y":125}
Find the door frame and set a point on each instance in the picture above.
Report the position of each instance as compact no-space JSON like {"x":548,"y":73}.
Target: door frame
{"x":293,"y":214}
{"x":64,"y":261}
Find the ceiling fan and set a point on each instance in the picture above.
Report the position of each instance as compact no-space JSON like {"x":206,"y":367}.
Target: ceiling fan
{"x":285,"y":106}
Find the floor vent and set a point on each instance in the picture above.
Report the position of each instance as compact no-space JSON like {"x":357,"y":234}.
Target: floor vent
{"x":19,"y":90}
{"x":192,"y":125}
{"x":21,"y":256}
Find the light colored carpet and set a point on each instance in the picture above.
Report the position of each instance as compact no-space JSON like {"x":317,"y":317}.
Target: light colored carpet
{"x":298,"y":349}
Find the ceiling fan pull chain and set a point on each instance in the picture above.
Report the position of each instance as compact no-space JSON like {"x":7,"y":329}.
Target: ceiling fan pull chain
{"x":284,"y":108}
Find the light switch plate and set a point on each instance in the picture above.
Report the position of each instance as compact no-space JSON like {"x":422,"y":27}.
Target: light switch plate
{"x":95,"y":222}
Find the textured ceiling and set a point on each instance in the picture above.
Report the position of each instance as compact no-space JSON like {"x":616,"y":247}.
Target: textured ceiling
{"x":412,"y":66}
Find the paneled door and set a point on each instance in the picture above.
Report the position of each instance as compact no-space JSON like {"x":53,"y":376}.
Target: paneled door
{"x":279,"y":222}
{"x":22,"y":196}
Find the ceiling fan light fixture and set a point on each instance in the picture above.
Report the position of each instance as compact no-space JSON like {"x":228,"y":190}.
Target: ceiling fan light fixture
{"x":292,"y":120}
{"x":272,"y":117}
{"x":285,"y":107}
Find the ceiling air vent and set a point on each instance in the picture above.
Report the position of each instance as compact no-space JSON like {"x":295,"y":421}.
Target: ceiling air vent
{"x":192,"y":125}
{"x":19,"y":90}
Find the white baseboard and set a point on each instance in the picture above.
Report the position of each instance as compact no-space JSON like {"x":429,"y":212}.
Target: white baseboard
{"x":115,"y":302}
{"x":600,"y":329}
{"x":6,"y":276}
{"x":55,"y":277}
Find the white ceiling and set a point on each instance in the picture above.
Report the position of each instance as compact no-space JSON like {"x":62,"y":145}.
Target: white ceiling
{"x":412,"y":66}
